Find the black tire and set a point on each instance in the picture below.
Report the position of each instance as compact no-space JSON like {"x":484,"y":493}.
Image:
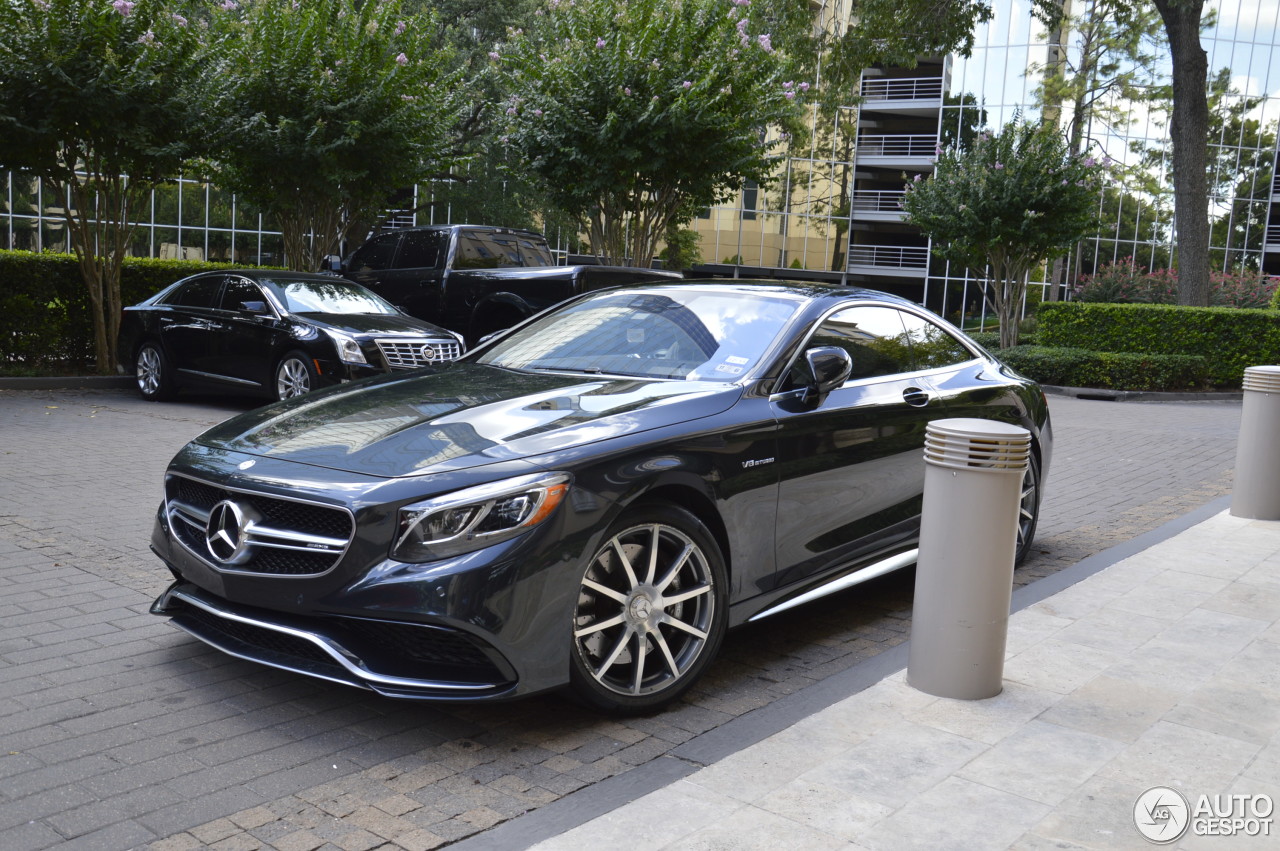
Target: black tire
{"x":152,"y":373}
{"x":1028,"y":509}
{"x":294,"y":375}
{"x":645,"y":624}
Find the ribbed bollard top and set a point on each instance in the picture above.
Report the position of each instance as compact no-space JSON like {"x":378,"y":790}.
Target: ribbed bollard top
{"x":1265,"y":379}
{"x":980,"y":445}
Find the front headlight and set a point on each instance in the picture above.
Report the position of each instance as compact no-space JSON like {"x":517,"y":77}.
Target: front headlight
{"x":349,"y":350}
{"x":470,"y":519}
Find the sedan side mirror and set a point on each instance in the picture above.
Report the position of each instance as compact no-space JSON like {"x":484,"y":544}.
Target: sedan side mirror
{"x":257,"y":307}
{"x":829,"y":367}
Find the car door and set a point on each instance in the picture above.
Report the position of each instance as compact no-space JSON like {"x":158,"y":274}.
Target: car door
{"x":851,"y":467}
{"x":247,"y":349}
{"x":188,"y":325}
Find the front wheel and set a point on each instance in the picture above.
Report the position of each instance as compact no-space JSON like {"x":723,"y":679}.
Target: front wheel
{"x":651,"y":613}
{"x":294,"y":376}
{"x":1028,"y":509}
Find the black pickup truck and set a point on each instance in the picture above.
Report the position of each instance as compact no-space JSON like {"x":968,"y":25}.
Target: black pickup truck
{"x":475,"y":279}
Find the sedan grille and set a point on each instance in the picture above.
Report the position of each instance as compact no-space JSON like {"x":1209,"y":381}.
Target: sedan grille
{"x":411,"y":354}
{"x":246,"y":532}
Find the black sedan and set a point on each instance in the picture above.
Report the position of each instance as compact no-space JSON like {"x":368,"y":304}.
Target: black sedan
{"x":591,"y":499}
{"x":273,"y":333}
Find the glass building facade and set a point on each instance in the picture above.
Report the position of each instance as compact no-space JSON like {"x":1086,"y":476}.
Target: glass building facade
{"x":833,"y":213}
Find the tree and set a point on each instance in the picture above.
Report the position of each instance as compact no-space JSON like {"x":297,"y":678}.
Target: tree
{"x":635,"y":115}
{"x":1100,"y":60}
{"x":1006,"y":204}
{"x":317,"y":112}
{"x":93,"y":100}
{"x":1189,"y":132}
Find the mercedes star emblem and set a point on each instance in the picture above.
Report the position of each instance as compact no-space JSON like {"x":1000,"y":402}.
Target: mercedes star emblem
{"x":225,"y":534}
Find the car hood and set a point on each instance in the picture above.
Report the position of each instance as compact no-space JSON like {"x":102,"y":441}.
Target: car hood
{"x":461,"y":415}
{"x":376,"y":324}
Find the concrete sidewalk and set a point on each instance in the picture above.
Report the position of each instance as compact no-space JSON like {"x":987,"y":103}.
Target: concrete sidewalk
{"x":1160,"y":670}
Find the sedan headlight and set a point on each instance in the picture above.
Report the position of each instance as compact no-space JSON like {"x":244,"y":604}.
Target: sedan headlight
{"x":470,"y":519}
{"x":349,"y":350}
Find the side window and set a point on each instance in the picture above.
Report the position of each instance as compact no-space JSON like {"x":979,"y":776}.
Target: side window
{"x":535,"y":253}
{"x":932,"y":344}
{"x":422,"y":249}
{"x":238,"y":291}
{"x":486,"y":250}
{"x":874,"y":337}
{"x":375,"y":254}
{"x":201,"y":292}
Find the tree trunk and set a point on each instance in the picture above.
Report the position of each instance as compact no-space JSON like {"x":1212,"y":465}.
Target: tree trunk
{"x":1189,"y":132}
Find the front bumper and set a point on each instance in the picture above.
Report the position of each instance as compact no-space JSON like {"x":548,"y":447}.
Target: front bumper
{"x":395,"y":659}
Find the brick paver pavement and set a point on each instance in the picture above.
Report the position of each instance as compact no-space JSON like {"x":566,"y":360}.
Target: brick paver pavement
{"x":117,"y":731}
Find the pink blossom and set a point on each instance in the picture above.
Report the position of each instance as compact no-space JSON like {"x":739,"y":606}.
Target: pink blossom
{"x":915,"y":179}
{"x":400,"y":28}
{"x":538,"y":112}
{"x":179,"y":20}
{"x":494,"y":55}
{"x":804,"y":87}
{"x":600,"y":42}
{"x":788,"y":84}
{"x":742,"y":2}
{"x":687,"y":84}
{"x":511,"y":110}
{"x":789,"y":95}
{"x":999,"y":166}
{"x":766,"y":43}
{"x":627,"y":91}
{"x":124,"y":7}
{"x":402,"y":59}
{"x":147,"y":37}
{"x":227,"y":5}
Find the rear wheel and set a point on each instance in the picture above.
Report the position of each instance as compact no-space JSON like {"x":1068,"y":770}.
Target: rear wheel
{"x":651,"y":612}
{"x":151,"y":369}
{"x":1028,"y":509}
{"x":295,"y":375}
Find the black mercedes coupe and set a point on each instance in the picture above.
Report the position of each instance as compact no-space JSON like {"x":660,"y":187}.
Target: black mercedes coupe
{"x":270,"y":333}
{"x":589,"y":500}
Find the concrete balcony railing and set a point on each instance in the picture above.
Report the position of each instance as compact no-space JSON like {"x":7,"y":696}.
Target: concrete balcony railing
{"x":897,"y":145}
{"x":878,"y":201}
{"x":889,"y":258}
{"x":1271,"y":242}
{"x":915,"y":88}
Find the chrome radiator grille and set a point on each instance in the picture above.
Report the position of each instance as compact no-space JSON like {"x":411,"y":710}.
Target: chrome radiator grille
{"x":411,"y":354}
{"x":246,"y":532}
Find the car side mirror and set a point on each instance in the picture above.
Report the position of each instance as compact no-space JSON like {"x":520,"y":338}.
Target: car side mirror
{"x":332,"y":263}
{"x":829,"y":367}
{"x":258,"y":307}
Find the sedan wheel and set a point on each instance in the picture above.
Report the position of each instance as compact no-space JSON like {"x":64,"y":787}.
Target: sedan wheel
{"x":294,"y":376}
{"x":1028,"y":508}
{"x":152,"y":373}
{"x":651,"y":611}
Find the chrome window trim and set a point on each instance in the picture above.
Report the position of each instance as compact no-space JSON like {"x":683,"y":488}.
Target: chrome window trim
{"x":775,"y":394}
{"x":178,"y":512}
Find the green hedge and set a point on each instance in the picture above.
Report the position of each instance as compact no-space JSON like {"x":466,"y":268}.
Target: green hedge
{"x":1228,"y":339}
{"x":45,"y":321}
{"x":1065,"y":367}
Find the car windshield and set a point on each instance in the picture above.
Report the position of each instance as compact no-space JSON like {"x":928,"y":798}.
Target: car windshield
{"x":679,"y":332}
{"x":336,"y":296}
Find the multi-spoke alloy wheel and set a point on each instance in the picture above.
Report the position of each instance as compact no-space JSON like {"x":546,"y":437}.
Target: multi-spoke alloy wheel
{"x":294,"y":376}
{"x":1028,"y":508}
{"x":152,"y":373}
{"x":651,"y":611}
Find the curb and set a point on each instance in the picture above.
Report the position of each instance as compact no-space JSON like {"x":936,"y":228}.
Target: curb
{"x":1107,"y":395}
{"x":67,"y":382}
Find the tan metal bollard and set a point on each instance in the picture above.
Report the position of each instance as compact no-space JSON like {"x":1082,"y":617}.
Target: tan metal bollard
{"x":968,"y":541}
{"x":1256,"y":494}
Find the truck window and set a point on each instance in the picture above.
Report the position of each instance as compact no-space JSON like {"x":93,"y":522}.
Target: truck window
{"x":375,"y":254}
{"x":422,"y":249}
{"x":486,"y":250}
{"x":535,"y":253}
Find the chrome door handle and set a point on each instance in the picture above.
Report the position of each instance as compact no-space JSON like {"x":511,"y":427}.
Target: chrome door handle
{"x":915,"y":397}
